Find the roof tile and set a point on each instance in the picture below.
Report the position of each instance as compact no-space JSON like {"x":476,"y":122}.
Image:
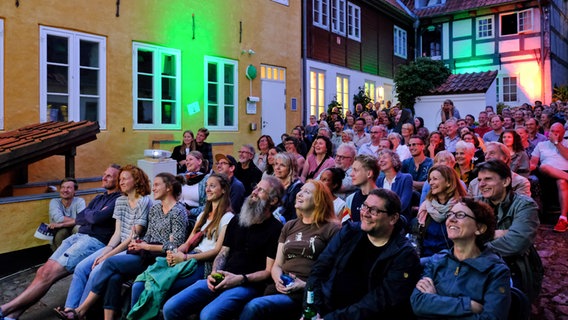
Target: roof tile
{"x":477,"y":82}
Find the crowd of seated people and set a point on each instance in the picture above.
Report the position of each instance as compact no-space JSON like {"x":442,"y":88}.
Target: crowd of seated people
{"x":367,"y":214}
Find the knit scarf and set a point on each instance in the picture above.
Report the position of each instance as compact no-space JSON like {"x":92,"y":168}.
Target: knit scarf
{"x":438,"y":211}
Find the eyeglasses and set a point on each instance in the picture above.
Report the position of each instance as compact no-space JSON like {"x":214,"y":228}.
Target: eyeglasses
{"x":245,"y":152}
{"x":459,"y":215}
{"x":375,"y":132}
{"x":339,"y":157}
{"x":374,"y":211}
{"x":221,"y":163}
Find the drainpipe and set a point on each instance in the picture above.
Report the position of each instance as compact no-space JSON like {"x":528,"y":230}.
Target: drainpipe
{"x":304,"y":72}
{"x":542,"y":52}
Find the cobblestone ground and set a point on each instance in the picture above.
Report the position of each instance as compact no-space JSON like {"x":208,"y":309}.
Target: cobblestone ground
{"x":552,"y":303}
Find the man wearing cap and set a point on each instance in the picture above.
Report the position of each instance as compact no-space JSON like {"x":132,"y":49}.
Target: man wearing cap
{"x":226,"y":165}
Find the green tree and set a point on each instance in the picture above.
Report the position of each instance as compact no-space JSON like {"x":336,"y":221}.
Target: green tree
{"x":361,"y":97}
{"x":418,"y":78}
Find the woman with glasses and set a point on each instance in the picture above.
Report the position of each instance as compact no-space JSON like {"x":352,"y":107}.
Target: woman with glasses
{"x":301,"y":241}
{"x":445,"y":191}
{"x":291,"y":145}
{"x":468,"y":281}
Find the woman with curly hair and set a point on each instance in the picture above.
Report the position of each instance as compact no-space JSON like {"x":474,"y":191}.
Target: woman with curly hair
{"x":264,"y":143}
{"x":131,"y":216}
{"x":167,"y":222}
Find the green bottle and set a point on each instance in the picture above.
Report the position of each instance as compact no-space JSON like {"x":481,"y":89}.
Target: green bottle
{"x":310,"y":312}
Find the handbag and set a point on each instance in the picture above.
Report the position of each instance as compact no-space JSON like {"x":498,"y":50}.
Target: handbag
{"x":195,"y":241}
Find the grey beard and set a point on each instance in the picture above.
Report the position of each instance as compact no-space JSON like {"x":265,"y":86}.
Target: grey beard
{"x":252,"y":212}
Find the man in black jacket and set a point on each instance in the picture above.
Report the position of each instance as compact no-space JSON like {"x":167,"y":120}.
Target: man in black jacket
{"x":375,"y":248}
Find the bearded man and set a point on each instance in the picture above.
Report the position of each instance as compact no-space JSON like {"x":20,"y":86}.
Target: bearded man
{"x":245,"y":260}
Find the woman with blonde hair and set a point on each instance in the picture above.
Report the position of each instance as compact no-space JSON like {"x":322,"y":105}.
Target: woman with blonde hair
{"x":301,"y":241}
{"x":445,"y":192}
{"x":285,"y":169}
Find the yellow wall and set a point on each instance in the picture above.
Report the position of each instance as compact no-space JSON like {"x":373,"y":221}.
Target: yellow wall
{"x":273,"y":30}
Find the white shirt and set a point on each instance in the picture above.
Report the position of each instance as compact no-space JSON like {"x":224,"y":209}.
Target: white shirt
{"x":548,"y":154}
{"x":209,"y":244}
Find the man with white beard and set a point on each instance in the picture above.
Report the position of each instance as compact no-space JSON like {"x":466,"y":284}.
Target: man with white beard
{"x":245,"y":260}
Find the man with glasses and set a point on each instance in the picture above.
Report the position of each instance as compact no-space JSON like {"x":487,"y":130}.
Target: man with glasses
{"x":226,"y":165}
{"x":372,"y":147}
{"x":365,"y":170}
{"x":246,"y":171}
{"x":418,"y":165}
{"x":344,"y":157}
{"x":371,"y":261}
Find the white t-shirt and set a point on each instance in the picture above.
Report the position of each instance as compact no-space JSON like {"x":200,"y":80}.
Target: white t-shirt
{"x":338,"y":205}
{"x":190,"y":195}
{"x":548,"y":154}
{"x":209,"y":244}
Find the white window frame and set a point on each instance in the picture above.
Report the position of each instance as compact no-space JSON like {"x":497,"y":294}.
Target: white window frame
{"x":342,"y":91}
{"x":371,"y":89}
{"x":339,"y":16}
{"x":501,"y":88}
{"x":321,"y":13}
{"x":485,"y":27}
{"x":157,"y":77}
{"x":1,"y":74}
{"x":74,"y":68}
{"x":353,"y":22}
{"x":400,"y":42}
{"x":220,"y":105}
{"x":317,"y":92}
{"x":522,"y":16}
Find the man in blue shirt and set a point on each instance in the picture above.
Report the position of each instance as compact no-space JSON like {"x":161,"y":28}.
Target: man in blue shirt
{"x":97,"y":227}
{"x":226,"y":165}
{"x":417,"y":166}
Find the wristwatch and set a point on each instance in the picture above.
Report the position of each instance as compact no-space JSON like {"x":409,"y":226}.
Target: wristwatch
{"x":245,"y":279}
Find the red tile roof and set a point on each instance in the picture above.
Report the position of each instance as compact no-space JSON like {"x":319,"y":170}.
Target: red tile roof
{"x":39,"y":141}
{"x":477,"y":82}
{"x":453,"y":6}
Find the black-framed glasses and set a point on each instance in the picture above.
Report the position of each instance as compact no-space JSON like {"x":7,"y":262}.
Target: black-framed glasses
{"x":459,"y":215}
{"x":340,"y":157}
{"x":374,"y":211}
{"x":221,"y":163}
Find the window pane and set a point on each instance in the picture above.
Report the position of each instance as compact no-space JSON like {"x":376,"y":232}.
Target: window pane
{"x":57,"y":49}
{"x":145,"y":86}
{"x":229,"y":74}
{"x":229,"y":116}
{"x":168,"y":114}
{"x":212,"y":93}
{"x":168,"y":88}
{"x":144,"y":61}
{"x":145,"y":111}
{"x":168,"y":65}
{"x":212,"y":115}
{"x":89,"y":109}
{"x":57,"y":79}
{"x":89,"y":81}
{"x":57,"y":108}
{"x":89,"y":54}
{"x":229,"y":95}
{"x":509,"y":24}
{"x":212,"y":72}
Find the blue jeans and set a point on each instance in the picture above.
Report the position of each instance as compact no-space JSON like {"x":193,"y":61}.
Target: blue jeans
{"x":74,"y":249}
{"x":82,"y":281}
{"x":276,"y":306}
{"x":177,"y":286}
{"x":213,"y":305}
{"x":114,"y":271}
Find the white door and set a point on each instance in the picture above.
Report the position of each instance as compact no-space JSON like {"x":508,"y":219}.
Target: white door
{"x":273,"y":102}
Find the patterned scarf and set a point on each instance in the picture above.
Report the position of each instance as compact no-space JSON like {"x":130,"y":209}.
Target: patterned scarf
{"x":439,"y":211}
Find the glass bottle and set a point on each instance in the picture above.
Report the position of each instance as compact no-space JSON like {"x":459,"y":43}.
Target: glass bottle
{"x":309,"y":312}
{"x":169,"y":245}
